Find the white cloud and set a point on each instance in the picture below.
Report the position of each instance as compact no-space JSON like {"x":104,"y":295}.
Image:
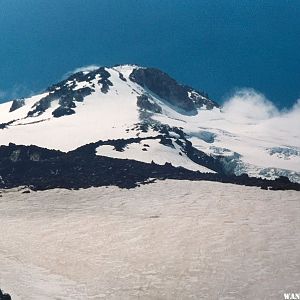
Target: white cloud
{"x":249,"y":104}
{"x":88,"y":68}
{"x":287,"y":121}
{"x":248,"y":107}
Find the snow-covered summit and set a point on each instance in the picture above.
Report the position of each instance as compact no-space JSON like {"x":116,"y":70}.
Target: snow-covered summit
{"x":172,"y":122}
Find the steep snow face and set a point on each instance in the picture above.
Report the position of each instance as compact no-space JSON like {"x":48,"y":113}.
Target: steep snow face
{"x":121,"y":101}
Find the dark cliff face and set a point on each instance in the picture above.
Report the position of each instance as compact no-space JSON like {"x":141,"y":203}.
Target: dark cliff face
{"x":4,"y":296}
{"x":18,"y":103}
{"x":144,"y":103}
{"x":169,"y":90}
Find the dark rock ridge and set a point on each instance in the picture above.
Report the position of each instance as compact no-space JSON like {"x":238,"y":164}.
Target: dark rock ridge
{"x":67,"y":95}
{"x":180,"y":96}
{"x":4,"y":296}
{"x":16,"y":104}
{"x":41,"y":169}
{"x":5,"y":125}
{"x":144,"y":103}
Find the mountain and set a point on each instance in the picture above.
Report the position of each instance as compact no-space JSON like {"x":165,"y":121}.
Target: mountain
{"x":129,"y":113}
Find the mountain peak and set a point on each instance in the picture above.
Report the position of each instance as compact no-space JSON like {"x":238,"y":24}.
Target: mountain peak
{"x":144,"y":114}
{"x":153,"y":83}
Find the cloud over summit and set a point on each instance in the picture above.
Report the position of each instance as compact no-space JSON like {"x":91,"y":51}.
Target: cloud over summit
{"x":250,"y":104}
{"x":250,"y":107}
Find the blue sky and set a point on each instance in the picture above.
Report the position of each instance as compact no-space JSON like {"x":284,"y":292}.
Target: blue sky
{"x":215,"y":46}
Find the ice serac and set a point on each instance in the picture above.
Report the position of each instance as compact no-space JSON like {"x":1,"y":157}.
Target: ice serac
{"x":142,"y":114}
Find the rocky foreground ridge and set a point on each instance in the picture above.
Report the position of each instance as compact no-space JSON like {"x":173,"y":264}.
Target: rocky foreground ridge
{"x":40,"y":169}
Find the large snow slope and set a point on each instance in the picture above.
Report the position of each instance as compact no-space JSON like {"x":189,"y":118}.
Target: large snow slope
{"x":168,"y":240}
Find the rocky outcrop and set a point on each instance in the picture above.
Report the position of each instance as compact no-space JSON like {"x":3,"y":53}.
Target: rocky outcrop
{"x":16,"y":104}
{"x":181,"y":97}
{"x":144,"y":103}
{"x":4,"y":125}
{"x":67,"y":93}
{"x":4,"y":296}
{"x":81,"y":168}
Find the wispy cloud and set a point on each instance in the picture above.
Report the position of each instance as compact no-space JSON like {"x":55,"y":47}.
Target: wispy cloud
{"x":17,"y":91}
{"x":20,"y":91}
{"x":88,"y":68}
{"x":2,"y":94}
{"x":248,"y":106}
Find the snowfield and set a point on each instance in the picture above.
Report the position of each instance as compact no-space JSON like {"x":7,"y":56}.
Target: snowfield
{"x":167,"y":240}
{"x":155,"y":152}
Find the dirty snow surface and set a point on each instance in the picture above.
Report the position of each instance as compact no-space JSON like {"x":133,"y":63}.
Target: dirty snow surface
{"x":166,"y":240}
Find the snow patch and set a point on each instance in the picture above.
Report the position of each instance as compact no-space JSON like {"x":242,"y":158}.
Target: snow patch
{"x":151,"y":150}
